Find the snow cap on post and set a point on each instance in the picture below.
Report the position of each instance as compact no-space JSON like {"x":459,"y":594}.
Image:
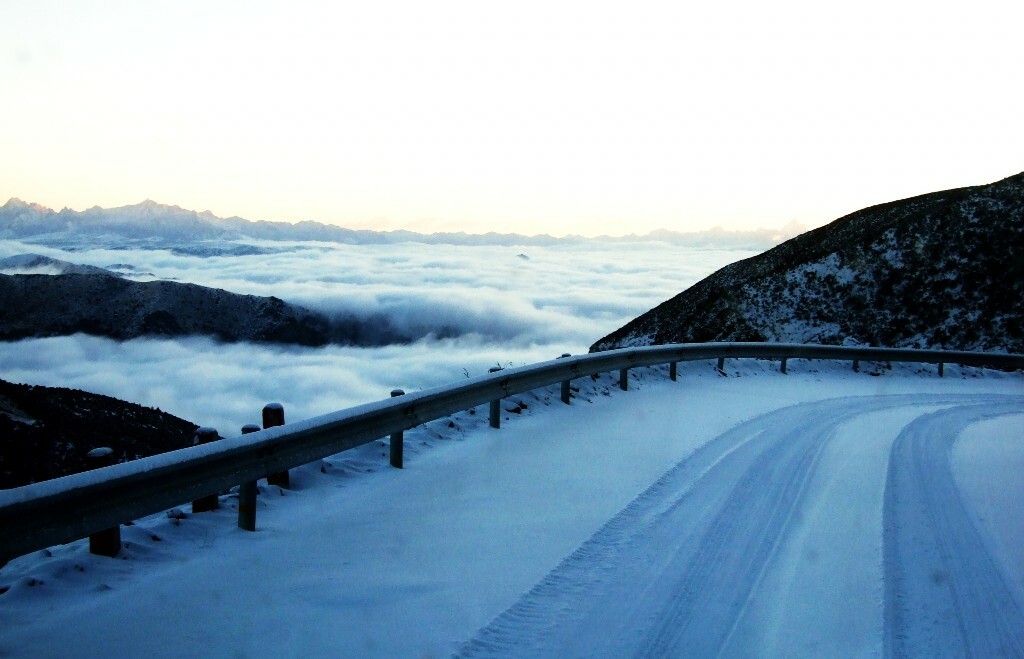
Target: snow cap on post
{"x":98,"y":454}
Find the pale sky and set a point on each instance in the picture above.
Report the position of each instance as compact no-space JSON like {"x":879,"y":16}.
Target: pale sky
{"x":528,"y":117}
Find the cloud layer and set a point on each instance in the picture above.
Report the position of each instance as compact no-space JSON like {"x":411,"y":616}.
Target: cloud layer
{"x":467,"y":308}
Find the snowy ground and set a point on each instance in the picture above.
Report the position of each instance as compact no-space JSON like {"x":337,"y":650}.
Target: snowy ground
{"x":819,"y":513}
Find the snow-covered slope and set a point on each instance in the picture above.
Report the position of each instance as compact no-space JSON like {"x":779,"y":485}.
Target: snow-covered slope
{"x":942,"y":270}
{"x":758,"y":514}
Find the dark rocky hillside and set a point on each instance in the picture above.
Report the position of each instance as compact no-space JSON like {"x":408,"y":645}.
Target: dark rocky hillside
{"x":57,"y":305}
{"x":46,"y":432}
{"x":941,"y":270}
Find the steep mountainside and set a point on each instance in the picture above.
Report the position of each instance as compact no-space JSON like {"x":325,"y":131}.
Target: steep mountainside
{"x":57,"y":305}
{"x":46,"y":432}
{"x":941,"y":270}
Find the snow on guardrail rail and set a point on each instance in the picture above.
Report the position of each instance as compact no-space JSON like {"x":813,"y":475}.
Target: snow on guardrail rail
{"x":66,"y":509}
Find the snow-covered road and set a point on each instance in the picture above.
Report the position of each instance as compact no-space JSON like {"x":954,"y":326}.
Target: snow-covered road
{"x":945,"y":592}
{"x":822,"y":513}
{"x":765,"y":541}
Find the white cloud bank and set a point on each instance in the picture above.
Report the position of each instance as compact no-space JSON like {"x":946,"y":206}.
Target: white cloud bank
{"x":494,"y":306}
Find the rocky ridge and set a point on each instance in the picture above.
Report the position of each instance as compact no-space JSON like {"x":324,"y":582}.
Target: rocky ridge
{"x":941,"y":270}
{"x":110,"y":306}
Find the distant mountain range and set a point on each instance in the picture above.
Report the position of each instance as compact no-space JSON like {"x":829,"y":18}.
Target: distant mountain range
{"x":48,"y":431}
{"x":102,"y":303}
{"x":941,"y":270}
{"x":154,"y":225}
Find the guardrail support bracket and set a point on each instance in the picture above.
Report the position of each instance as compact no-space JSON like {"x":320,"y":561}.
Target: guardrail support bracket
{"x":247,"y":494}
{"x":108,"y":541}
{"x":273,"y":416}
{"x":495,"y":416}
{"x":397,"y":438}
{"x":566,"y":392}
{"x":495,"y":412}
{"x":204,"y":504}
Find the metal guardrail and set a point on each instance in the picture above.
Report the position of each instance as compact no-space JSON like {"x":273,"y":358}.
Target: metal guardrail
{"x":65,"y":509}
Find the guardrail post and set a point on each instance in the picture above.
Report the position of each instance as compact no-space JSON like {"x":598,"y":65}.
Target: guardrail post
{"x":721,"y":364}
{"x":397,"y":438}
{"x":108,"y":541}
{"x":566,"y":392}
{"x":941,"y":369}
{"x":205,"y":435}
{"x":273,"y":416}
{"x":783,"y":365}
{"x":673,"y":371}
{"x":247,"y":493}
{"x":856,"y":366}
{"x":624,"y":379}
{"x":495,"y":404}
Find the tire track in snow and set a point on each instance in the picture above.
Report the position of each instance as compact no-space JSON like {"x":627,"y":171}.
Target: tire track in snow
{"x":944,"y":592}
{"x":671,"y":574}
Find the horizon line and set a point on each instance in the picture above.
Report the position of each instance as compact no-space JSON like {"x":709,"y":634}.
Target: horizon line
{"x":791,"y":228}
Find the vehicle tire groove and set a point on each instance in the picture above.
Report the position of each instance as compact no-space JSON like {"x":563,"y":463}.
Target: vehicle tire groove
{"x":722,"y":512}
{"x":944,"y":593}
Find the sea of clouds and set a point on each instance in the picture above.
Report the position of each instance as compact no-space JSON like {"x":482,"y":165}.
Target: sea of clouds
{"x":457,"y":310}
